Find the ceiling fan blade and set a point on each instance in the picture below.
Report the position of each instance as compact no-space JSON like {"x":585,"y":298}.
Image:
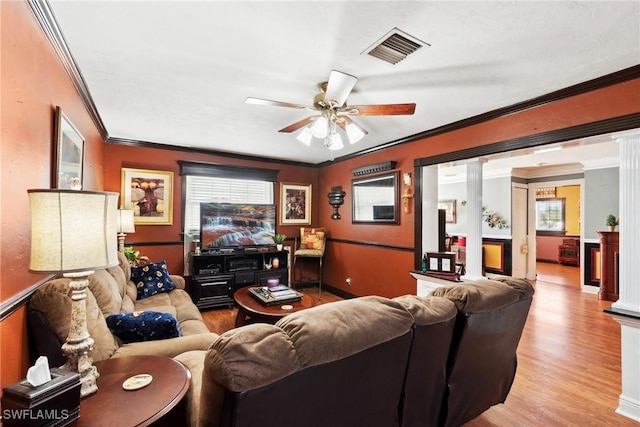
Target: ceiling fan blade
{"x":297,"y":125}
{"x":381,"y":110}
{"x":339,"y":87}
{"x":259,"y":101}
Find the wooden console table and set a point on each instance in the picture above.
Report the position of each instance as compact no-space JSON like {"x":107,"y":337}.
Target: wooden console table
{"x":609,"y":248}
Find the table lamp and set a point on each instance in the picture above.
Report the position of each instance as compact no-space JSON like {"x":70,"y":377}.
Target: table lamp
{"x":74,"y":233}
{"x":125,"y":225}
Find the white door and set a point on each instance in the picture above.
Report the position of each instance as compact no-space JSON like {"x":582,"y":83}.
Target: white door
{"x":520,"y":250}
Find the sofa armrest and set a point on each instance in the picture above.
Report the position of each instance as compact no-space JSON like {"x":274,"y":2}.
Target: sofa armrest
{"x":194,"y":361}
{"x":178,"y":280}
{"x":170,"y":347}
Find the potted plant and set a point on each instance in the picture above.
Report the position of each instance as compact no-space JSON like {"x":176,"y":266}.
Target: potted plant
{"x":279,"y":239}
{"x":134,"y":257}
{"x":612,"y":221}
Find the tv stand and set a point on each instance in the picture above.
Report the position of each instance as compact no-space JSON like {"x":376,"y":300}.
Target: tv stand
{"x":216,"y":275}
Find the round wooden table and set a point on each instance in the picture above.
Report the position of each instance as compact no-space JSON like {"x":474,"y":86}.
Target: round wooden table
{"x":155,"y":404}
{"x":250,"y":308}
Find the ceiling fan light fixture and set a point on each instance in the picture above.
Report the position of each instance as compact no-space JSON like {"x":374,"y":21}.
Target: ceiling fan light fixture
{"x":319,"y":128}
{"x":334,"y":142}
{"x":355,"y":133}
{"x":305,"y":136}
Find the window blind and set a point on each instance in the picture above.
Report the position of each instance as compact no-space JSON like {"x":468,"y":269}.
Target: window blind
{"x":200,"y":189}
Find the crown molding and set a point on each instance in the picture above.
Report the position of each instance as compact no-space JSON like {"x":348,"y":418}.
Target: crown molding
{"x":45,"y":17}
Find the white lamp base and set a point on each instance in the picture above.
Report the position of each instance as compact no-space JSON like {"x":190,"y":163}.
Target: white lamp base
{"x":79,"y":343}
{"x":121,"y":237}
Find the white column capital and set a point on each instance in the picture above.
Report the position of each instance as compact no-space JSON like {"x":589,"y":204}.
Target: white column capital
{"x":632,"y":134}
{"x":480,"y":160}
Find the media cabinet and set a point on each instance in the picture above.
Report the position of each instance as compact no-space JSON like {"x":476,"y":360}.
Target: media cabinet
{"x":216,"y":275}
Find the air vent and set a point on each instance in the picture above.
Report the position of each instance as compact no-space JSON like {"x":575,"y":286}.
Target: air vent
{"x":395,"y":46}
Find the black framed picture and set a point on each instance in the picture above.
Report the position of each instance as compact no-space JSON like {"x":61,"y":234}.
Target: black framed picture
{"x":68,"y":153}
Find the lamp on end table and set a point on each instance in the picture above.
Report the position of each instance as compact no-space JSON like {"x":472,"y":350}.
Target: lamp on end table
{"x":125,"y":225}
{"x":74,"y":233}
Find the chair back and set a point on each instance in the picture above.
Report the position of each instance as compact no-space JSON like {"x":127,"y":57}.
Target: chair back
{"x":312,"y":242}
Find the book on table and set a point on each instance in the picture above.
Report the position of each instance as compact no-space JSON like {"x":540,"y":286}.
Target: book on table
{"x":279,"y":295}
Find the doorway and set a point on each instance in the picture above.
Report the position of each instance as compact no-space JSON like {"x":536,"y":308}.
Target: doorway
{"x":547,"y":236}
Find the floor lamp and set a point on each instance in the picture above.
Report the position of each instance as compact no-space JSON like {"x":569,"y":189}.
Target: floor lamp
{"x":125,"y":225}
{"x":74,"y":233}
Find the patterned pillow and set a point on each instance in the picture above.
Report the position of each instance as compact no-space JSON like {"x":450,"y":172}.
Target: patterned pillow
{"x":311,"y":238}
{"x":151,"y":279}
{"x":143,"y":326}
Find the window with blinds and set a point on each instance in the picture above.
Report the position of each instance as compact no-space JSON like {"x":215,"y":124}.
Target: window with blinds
{"x":200,"y":189}
{"x":213,"y":182}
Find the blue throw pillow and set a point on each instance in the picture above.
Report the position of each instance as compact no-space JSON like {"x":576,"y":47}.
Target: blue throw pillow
{"x":151,"y":279}
{"x":143,"y":326}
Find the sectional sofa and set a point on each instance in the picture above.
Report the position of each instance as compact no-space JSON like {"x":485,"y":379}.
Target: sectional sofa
{"x":410,"y":361}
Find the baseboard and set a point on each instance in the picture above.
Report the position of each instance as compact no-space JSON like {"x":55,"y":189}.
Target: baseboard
{"x":629,"y":408}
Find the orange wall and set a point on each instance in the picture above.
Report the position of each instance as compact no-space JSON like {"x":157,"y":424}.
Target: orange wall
{"x":34,"y":82}
{"x":385,"y":271}
{"x":167,"y":160}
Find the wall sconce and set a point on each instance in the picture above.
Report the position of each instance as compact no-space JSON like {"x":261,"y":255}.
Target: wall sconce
{"x":336,"y":199}
{"x":406,"y":196}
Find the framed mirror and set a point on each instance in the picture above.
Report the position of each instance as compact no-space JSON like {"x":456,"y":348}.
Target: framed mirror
{"x":376,"y":199}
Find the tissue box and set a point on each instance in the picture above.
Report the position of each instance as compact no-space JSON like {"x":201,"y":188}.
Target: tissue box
{"x":55,"y":403}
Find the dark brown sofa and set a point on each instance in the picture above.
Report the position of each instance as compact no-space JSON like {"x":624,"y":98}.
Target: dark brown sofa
{"x":410,"y":361}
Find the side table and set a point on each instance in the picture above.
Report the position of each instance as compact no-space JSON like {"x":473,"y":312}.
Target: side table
{"x":157,"y":404}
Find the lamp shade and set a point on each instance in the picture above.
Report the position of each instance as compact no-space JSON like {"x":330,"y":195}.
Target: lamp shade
{"x":125,"y":221}
{"x":72,"y":231}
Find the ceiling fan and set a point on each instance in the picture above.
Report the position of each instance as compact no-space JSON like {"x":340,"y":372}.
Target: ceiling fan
{"x":333,"y":113}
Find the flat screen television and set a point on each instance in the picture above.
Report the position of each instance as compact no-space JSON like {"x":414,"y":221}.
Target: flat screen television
{"x":235,"y":225}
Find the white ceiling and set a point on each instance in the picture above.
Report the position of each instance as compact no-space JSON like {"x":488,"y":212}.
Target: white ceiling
{"x":177,"y":73}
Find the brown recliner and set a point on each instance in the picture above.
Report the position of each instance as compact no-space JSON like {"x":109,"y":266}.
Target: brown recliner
{"x":340,"y":364}
{"x":426,"y":369}
{"x":482,"y":360}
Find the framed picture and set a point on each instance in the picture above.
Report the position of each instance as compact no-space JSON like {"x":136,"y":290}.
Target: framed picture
{"x":295,"y":204}
{"x":149,"y":193}
{"x":441,"y":262}
{"x":450,"y":210}
{"x":68,"y":154}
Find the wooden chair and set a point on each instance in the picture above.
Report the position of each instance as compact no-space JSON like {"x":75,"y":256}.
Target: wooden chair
{"x":311,"y":246}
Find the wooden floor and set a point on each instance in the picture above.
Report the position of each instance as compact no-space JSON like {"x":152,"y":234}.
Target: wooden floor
{"x":568,"y":357}
{"x":568,"y":360}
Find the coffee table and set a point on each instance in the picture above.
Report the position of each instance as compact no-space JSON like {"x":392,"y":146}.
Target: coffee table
{"x":156,"y":404}
{"x":251,"y":308}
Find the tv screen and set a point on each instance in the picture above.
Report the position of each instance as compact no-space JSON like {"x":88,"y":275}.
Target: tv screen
{"x":225,"y":225}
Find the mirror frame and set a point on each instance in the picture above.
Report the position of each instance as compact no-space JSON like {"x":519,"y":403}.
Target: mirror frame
{"x":395,"y":175}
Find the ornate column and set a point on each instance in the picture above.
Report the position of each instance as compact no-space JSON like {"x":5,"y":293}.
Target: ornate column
{"x":626,"y":310}
{"x":473,"y":264}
